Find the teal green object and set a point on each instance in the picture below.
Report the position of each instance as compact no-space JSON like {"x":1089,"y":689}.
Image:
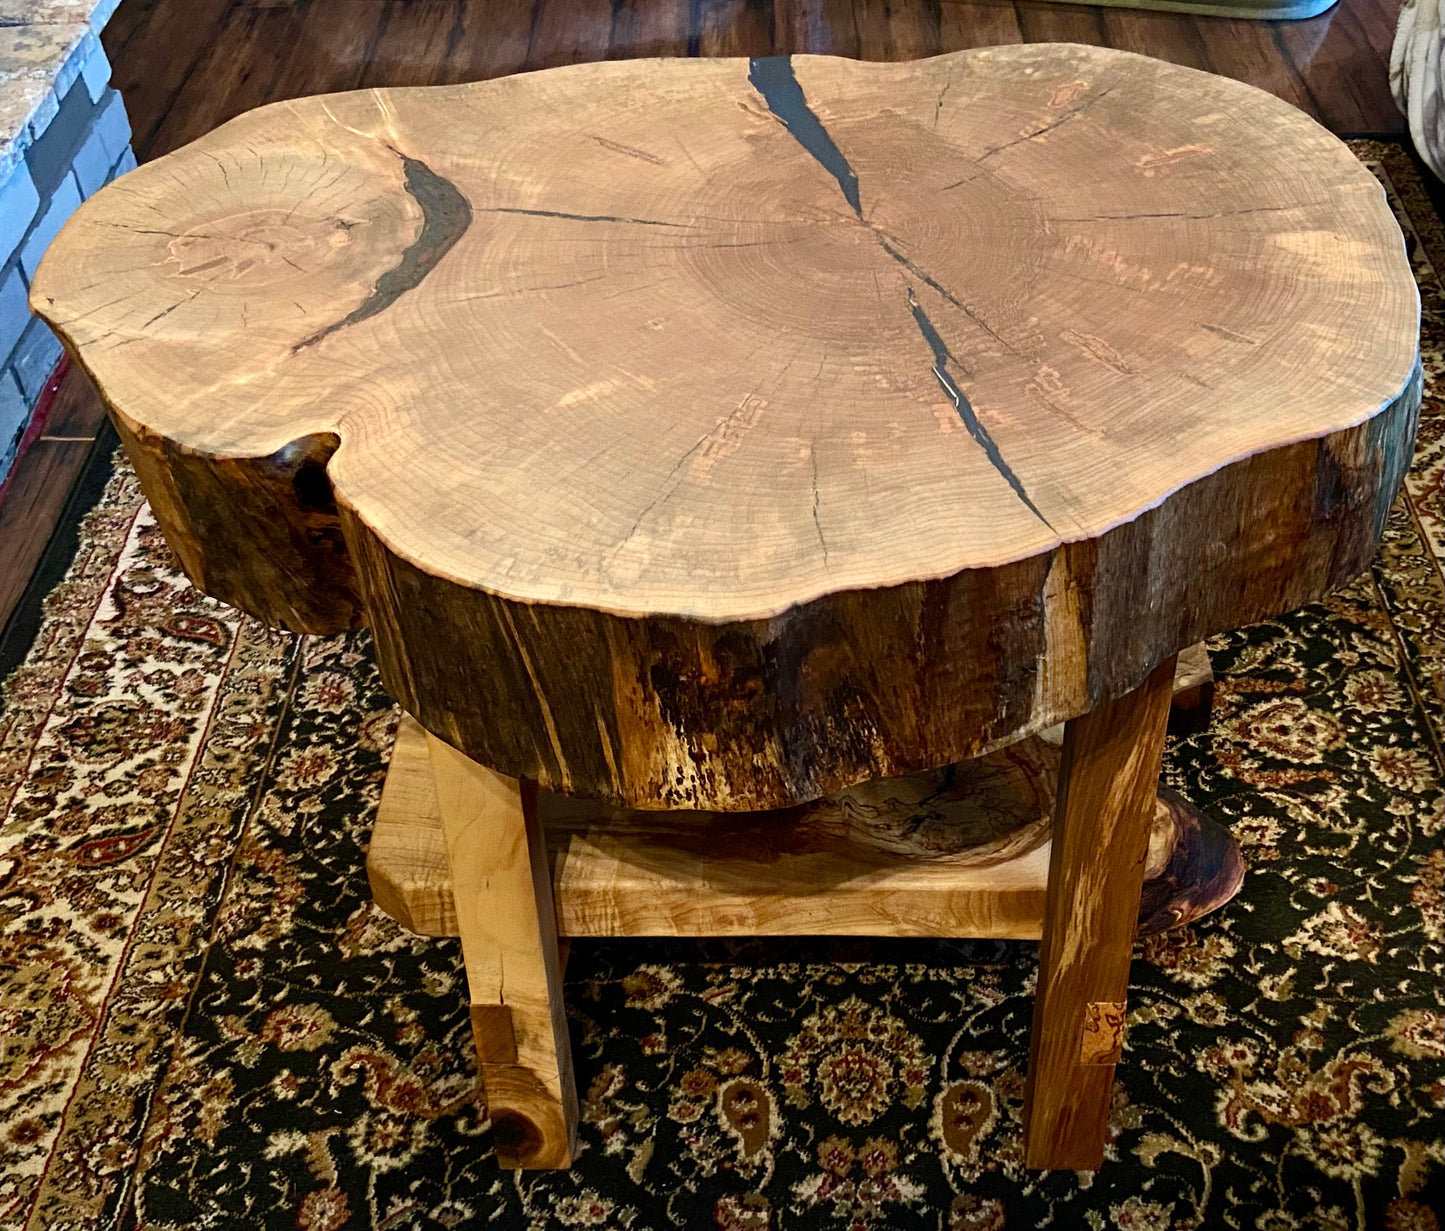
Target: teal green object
{"x":1264,"y":11}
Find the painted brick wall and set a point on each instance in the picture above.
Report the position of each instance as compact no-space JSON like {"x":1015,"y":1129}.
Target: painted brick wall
{"x":75,"y":142}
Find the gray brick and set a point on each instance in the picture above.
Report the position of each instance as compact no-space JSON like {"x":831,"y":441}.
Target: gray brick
{"x":96,"y":72}
{"x":14,"y":311}
{"x":92,"y":164}
{"x":73,"y":65}
{"x":45,"y":110}
{"x":102,"y":13}
{"x":62,"y":205}
{"x":113,"y":127}
{"x":50,"y":156}
{"x":14,"y":415}
{"x":19,"y":203}
{"x":35,"y":358}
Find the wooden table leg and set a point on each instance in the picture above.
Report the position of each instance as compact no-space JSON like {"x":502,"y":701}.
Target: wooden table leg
{"x":508,"y":926}
{"x":1102,"y":814}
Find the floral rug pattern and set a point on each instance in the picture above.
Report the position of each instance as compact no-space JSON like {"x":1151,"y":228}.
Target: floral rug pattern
{"x":205,"y":1023}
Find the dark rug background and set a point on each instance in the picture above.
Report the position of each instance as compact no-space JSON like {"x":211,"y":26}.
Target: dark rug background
{"x":205,"y":1024}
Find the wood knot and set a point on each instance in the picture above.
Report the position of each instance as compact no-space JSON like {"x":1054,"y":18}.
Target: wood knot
{"x":1102,"y":1038}
{"x":516,"y":1139}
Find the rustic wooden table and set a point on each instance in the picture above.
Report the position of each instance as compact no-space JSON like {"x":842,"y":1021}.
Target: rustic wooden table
{"x":720,"y":436}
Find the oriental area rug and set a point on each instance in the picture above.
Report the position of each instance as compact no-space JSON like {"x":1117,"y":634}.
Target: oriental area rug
{"x":205,"y":1023}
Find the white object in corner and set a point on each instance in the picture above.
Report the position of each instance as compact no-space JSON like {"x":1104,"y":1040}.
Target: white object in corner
{"x":1417,"y":77}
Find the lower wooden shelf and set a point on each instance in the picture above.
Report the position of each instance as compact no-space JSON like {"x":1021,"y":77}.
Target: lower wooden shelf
{"x":960,"y":851}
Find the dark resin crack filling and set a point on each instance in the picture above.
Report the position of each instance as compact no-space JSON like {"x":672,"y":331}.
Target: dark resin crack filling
{"x":774,"y":79}
{"x":941,"y":356}
{"x":446,"y":215}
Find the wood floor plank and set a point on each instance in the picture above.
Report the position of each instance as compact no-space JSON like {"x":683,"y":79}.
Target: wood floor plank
{"x":153,"y":63}
{"x":1161,"y":35}
{"x":34,"y":501}
{"x":125,"y":23}
{"x":889,"y":31}
{"x":1343,"y":71}
{"x":1060,"y":23}
{"x":987,"y":23}
{"x":496,"y":39}
{"x":235,"y":74}
{"x":1378,"y":19}
{"x":412,"y":44}
{"x":77,"y":412}
{"x":643,"y":28}
{"x":817,"y":27}
{"x":1247,"y":51}
{"x":330,"y":54}
{"x":731,"y":28}
{"x":569,"y":32}
{"x":241,"y":53}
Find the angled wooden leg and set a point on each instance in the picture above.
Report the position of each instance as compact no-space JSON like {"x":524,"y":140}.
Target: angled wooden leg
{"x":504,"y":913}
{"x":1102,"y":815}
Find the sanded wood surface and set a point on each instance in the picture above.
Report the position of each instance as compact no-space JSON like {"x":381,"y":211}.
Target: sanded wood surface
{"x":720,"y":434}
{"x":956,"y":852}
{"x":1102,"y":815}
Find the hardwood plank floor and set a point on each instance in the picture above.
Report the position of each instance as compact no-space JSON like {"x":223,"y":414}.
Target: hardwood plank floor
{"x":1251,"y":51}
{"x":184,"y":66}
{"x":153,"y":47}
{"x":34,"y":501}
{"x":77,"y":412}
{"x":1346,"y":75}
{"x":1060,"y":23}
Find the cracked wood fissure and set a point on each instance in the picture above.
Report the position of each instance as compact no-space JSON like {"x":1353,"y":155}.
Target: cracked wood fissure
{"x":667,"y":470}
{"x":553,"y":213}
{"x":445,"y":215}
{"x":818,"y":525}
{"x":1046,"y":128}
{"x":941,"y":356}
{"x":776,"y":82}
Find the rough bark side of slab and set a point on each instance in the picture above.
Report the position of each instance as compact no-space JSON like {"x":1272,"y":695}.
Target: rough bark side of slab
{"x":675,"y":713}
{"x":259,"y":533}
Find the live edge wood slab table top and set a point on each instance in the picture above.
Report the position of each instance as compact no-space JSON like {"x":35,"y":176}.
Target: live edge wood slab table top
{"x":718,"y":435}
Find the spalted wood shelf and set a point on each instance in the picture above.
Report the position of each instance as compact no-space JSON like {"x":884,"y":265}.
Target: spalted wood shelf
{"x":720,"y":434}
{"x":957,"y":852}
